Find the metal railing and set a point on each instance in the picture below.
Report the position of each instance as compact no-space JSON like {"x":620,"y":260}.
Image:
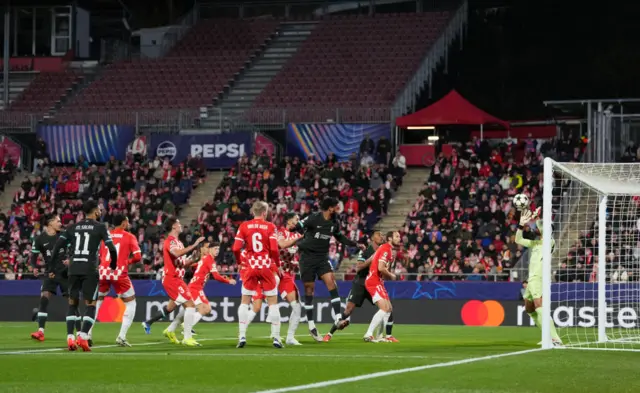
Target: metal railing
{"x":174,"y":120}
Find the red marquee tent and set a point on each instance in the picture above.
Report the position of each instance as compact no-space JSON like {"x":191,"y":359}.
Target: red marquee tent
{"x":451,"y":109}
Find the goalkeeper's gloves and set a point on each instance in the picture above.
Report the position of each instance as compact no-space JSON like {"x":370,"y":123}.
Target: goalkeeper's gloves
{"x":525,"y":217}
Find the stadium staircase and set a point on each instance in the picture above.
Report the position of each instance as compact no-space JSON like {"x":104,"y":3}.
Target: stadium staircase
{"x":90,"y":71}
{"x":18,"y":81}
{"x":398,"y":211}
{"x":201,"y":196}
{"x":10,"y":190}
{"x":249,"y":82}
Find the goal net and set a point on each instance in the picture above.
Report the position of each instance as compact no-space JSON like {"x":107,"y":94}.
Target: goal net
{"x":591,"y":270}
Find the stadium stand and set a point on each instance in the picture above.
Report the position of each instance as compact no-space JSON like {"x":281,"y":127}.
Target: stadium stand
{"x":195,"y":71}
{"x":292,"y":185}
{"x":462,"y":224}
{"x":45,"y":91}
{"x":355,"y":61}
{"x":147,"y":191}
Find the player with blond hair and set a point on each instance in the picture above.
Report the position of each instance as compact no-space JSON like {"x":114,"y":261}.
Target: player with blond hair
{"x":258,"y":238}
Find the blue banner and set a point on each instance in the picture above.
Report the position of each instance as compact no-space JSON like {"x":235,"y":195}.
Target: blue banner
{"x":426,"y":290}
{"x":217,"y":151}
{"x":95,"y":143}
{"x":304,"y":140}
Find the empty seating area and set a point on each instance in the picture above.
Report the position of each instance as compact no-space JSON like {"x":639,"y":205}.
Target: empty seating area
{"x":45,"y":91}
{"x":355,"y":61}
{"x":195,"y":71}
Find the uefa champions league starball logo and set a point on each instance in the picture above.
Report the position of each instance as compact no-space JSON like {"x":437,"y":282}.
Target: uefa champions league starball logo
{"x":167,"y":149}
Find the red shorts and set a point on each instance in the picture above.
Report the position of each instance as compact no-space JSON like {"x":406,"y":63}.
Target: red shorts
{"x":176,"y":289}
{"x":287,"y":285}
{"x":259,"y":278}
{"x":122,"y":286}
{"x":198,"y":295}
{"x":118,"y":279}
{"x":377,"y":291}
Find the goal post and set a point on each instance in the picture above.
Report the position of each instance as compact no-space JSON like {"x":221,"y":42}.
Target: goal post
{"x":591,"y":260}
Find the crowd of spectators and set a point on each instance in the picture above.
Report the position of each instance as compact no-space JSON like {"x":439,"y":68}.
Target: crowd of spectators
{"x":147,"y":191}
{"x":622,"y":234}
{"x":364,"y":185}
{"x":463,"y":223}
{"x":461,"y":227}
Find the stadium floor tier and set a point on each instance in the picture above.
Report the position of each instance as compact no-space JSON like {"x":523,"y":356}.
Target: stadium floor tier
{"x":427,"y":359}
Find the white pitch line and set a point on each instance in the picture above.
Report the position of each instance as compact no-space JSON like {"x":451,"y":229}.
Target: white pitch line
{"x":333,"y":382}
{"x":273,"y":354}
{"x":49,"y":350}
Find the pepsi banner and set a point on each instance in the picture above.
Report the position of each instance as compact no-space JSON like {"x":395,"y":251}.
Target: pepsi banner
{"x":217,"y":151}
{"x":305,"y":140}
{"x":96,"y":143}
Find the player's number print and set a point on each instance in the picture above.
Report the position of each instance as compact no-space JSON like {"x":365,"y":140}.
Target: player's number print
{"x":82,"y":244}
{"x":256,"y":242}
{"x":195,"y":274}
{"x":108,"y":256}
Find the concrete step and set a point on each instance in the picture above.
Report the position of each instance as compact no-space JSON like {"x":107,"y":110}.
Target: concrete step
{"x":200,"y":196}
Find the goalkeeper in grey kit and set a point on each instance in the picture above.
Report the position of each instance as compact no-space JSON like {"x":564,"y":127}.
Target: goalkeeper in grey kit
{"x":318,"y":229}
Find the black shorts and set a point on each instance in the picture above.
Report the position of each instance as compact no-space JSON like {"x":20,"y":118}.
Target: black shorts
{"x":52,"y":284}
{"x":358,"y":293}
{"x":87,"y":284}
{"x":313,"y":265}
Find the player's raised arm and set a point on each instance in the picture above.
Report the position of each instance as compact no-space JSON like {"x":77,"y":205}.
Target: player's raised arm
{"x":108,"y":242}
{"x":286,"y":243}
{"x":178,"y":252}
{"x":525,"y":217}
{"x":274,"y":251}
{"x":342,"y":238}
{"x":61,"y":243}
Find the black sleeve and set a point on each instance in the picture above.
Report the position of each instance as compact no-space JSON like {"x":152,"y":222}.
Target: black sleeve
{"x":108,"y":242}
{"x":61,"y":244}
{"x":342,"y":238}
{"x":36,"y":250}
{"x":308,"y":223}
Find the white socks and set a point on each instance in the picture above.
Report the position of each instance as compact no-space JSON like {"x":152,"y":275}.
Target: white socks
{"x":274,"y":318}
{"x":294,"y":319}
{"x":197,"y":318}
{"x":243,"y":319}
{"x":98,"y":304}
{"x":251,"y":316}
{"x":376,"y":321}
{"x":189,"y":318}
{"x":177,"y":321}
{"x":127,"y":318}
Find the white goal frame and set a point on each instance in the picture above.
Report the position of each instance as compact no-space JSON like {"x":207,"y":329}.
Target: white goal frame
{"x":604,"y":186}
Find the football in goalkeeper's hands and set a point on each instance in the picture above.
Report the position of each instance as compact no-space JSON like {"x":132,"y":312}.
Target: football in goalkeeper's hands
{"x":521,"y":201}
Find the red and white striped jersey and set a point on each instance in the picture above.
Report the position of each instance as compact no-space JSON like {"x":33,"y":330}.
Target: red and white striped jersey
{"x":258,"y":238}
{"x":384,"y":253}
{"x":289,"y":256}
{"x":173,"y":266}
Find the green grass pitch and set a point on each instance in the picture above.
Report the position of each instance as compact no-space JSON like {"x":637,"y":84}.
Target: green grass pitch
{"x":427,"y":359}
